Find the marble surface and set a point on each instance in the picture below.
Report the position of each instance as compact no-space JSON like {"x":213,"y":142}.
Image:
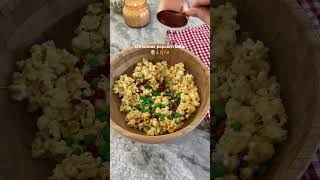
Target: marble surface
{"x":184,"y":159}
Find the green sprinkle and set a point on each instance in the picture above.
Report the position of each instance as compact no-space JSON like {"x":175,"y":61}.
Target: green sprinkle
{"x":93,"y":63}
{"x":158,"y":114}
{"x":103,"y":151}
{"x":106,"y":135}
{"x":148,"y":84}
{"x":218,"y":170}
{"x":146,"y":128}
{"x":89,"y":139}
{"x":94,"y":83}
{"x":155,"y":94}
{"x":262,"y":170}
{"x":102,"y":116}
{"x":220,"y":125}
{"x":178,"y":95}
{"x":184,"y":101}
{"x":145,"y":110}
{"x":143,"y":97}
{"x":70,"y":141}
{"x":177,"y":115}
{"x":213,"y":120}
{"x":97,"y":50}
{"x":159,"y":105}
{"x":218,"y":108}
{"x":171,"y":104}
{"x":179,"y":123}
{"x":236,"y":126}
{"x":149,"y":101}
{"x":162,"y":118}
{"x":76,"y":151}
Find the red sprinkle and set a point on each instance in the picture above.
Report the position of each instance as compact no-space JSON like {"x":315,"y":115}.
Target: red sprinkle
{"x":219,"y":133}
{"x":142,"y":83}
{"x":75,"y":101}
{"x":92,"y":99}
{"x":139,"y":91}
{"x":103,"y":70}
{"x":93,"y":149}
{"x":100,"y":94}
{"x":79,"y":64}
{"x":93,"y":73}
{"x":107,"y":65}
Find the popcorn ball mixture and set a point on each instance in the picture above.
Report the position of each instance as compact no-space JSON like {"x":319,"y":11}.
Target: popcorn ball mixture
{"x":70,"y":93}
{"x":157,"y":98}
{"x":248,"y":117}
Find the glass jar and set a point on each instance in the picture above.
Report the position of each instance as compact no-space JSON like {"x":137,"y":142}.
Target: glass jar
{"x":136,"y":13}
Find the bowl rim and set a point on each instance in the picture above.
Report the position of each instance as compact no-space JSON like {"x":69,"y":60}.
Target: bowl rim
{"x":167,"y":137}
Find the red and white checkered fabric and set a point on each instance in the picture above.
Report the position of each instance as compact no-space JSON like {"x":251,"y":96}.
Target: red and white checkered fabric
{"x":313,"y":171}
{"x":312,"y":9}
{"x":196,"y":40}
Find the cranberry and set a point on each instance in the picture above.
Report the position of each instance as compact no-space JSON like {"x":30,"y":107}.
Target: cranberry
{"x":79,"y":64}
{"x":93,"y":149}
{"x":219,"y":133}
{"x":93,"y":73}
{"x":75,"y":101}
{"x":100,"y":94}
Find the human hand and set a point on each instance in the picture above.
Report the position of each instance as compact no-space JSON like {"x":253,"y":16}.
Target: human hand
{"x":198,"y":8}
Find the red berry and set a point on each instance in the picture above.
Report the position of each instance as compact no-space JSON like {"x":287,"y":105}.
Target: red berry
{"x":219,"y":133}
{"x":100,"y":94}
{"x":75,"y":101}
{"x":93,"y":149}
{"x":79,"y":64}
{"x":93,"y":73}
{"x":92,"y":99}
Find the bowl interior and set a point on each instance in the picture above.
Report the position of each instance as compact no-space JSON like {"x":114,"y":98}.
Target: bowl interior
{"x":295,"y":62}
{"x":125,"y":62}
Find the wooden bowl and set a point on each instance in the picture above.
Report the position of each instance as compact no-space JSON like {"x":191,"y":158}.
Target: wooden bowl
{"x":295,"y":60}
{"x":124,"y":63}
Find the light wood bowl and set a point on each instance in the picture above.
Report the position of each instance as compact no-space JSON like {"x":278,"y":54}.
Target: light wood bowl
{"x":124,"y":63}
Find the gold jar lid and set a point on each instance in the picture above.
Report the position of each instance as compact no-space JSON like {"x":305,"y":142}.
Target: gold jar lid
{"x":135,"y":3}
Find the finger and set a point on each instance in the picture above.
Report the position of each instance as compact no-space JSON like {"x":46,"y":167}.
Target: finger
{"x":200,"y":12}
{"x":185,"y":6}
{"x":198,"y":3}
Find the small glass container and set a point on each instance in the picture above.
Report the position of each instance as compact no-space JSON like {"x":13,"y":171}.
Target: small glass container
{"x":136,"y":13}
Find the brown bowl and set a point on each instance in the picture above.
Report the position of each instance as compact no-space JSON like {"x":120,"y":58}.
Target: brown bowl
{"x":124,"y":63}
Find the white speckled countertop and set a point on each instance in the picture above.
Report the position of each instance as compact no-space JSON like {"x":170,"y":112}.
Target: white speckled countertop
{"x":185,"y":159}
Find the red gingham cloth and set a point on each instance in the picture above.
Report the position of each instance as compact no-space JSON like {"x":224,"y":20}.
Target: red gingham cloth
{"x":312,"y":9}
{"x":196,"y":40}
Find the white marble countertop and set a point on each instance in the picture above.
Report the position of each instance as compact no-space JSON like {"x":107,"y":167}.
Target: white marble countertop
{"x":184,"y":159}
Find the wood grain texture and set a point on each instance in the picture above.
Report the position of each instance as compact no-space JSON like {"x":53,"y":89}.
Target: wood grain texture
{"x":295,"y":60}
{"x":124,"y":63}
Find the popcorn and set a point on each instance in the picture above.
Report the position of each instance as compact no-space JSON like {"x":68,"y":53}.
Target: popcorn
{"x":157,"y":98}
{"x":54,"y":82}
{"x":80,"y":167}
{"x":254,"y":110}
